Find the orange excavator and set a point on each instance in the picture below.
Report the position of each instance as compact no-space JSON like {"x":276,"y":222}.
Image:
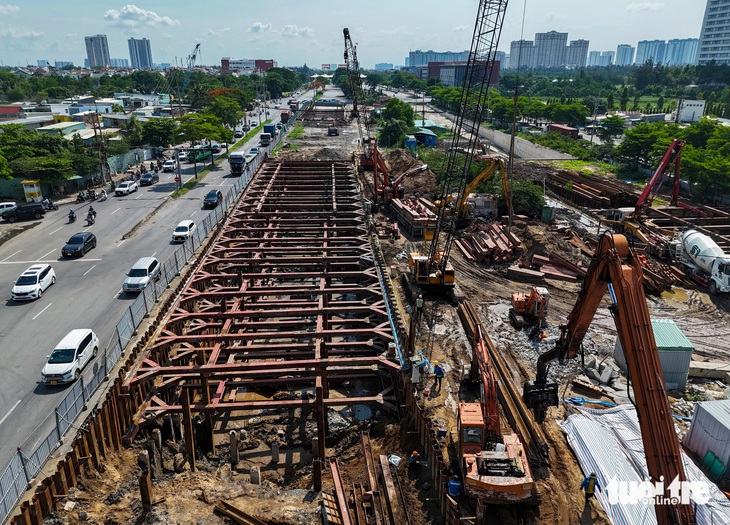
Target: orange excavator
{"x":615,"y":265}
{"x":393,"y":191}
{"x":532,"y":307}
{"x":496,"y":469}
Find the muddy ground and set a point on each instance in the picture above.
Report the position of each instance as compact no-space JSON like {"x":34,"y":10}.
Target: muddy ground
{"x":285,"y":495}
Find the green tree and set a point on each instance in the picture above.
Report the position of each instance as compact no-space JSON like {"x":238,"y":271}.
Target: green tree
{"x":393,"y":133}
{"x":396,"y":109}
{"x":527,"y":198}
{"x":624,"y":99}
{"x":159,"y":132}
{"x":5,"y":171}
{"x":227,"y":110}
{"x":611,"y":127}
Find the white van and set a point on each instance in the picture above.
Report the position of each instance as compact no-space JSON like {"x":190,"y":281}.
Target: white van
{"x":70,"y":356}
{"x":144,"y":271}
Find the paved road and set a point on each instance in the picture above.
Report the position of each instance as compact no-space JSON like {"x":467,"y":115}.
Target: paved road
{"x":87,"y":293}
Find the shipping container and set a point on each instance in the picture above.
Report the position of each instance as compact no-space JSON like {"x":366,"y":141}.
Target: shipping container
{"x":675,"y":353}
{"x":709,"y":436}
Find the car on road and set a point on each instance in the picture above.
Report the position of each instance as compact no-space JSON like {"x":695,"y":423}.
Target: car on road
{"x":169,"y":165}
{"x":33,"y":282}
{"x":7,"y":206}
{"x":183,"y":231}
{"x":182,"y":155}
{"x":25,"y":211}
{"x":254,"y":151}
{"x":126,"y":187}
{"x":149,"y":178}
{"x":79,"y":244}
{"x":279,"y":125}
{"x":215,"y":147}
{"x":212,"y":199}
{"x":144,"y":271}
{"x":246,"y":127}
{"x":70,"y":356}
{"x":254,"y":123}
{"x":238,"y":134}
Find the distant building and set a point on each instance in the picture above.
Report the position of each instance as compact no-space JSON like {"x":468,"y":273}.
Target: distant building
{"x":682,"y":51}
{"x":521,"y":54}
{"x":422,"y":58}
{"x":42,"y":63}
{"x":624,"y":55}
{"x":383,"y":66}
{"x":576,"y":54}
{"x":453,"y":73}
{"x":714,"y":42}
{"x":140,"y":53}
{"x":501,"y":57}
{"x":246,"y":65}
{"x":689,"y":110}
{"x":650,"y":50}
{"x":550,"y":49}
{"x":600,"y":58}
{"x":62,"y":63}
{"x":97,"y":51}
{"x":119,"y":63}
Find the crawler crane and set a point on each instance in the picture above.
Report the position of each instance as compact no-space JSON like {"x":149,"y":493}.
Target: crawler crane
{"x":615,"y":264}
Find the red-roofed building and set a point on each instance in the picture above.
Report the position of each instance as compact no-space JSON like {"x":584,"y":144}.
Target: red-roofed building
{"x":11,"y":112}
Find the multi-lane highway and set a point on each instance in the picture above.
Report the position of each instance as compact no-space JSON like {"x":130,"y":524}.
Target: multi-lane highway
{"x":87,"y":292}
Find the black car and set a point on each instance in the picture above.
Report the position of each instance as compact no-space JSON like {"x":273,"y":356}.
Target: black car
{"x":149,"y":178}
{"x":25,"y":211}
{"x":79,"y":244}
{"x":212,"y":199}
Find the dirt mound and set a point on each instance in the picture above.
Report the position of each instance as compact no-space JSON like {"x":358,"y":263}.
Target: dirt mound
{"x":399,"y":161}
{"x":312,"y":154}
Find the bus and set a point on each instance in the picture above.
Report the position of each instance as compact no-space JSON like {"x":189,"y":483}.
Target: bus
{"x":199,"y":154}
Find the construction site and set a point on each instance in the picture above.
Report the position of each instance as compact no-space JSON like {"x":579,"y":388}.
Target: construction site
{"x":359,"y":344}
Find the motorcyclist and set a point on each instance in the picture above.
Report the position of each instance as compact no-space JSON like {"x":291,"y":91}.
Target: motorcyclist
{"x":71,"y":215}
{"x":102,"y":195}
{"x":92,"y":211}
{"x":90,"y":217}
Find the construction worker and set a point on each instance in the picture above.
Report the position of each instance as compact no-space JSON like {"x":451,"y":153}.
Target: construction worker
{"x":415,"y":458}
{"x":419,"y":306}
{"x":589,"y":485}
{"x":439,"y":373}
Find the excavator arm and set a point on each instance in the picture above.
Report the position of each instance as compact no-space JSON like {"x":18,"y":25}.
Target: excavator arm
{"x":486,"y":174}
{"x":615,"y":263}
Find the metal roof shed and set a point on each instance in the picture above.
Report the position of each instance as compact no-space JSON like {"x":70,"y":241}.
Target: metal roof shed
{"x":709,"y":435}
{"x":675,"y":353}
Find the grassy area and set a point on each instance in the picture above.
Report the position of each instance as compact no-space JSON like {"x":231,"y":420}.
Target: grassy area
{"x":586,"y":167}
{"x":297,"y":132}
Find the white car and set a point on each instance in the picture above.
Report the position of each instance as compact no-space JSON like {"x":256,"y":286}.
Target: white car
{"x":182,"y":155}
{"x":126,"y":187}
{"x":7,"y":206}
{"x":169,"y":165}
{"x":70,"y":356}
{"x":183,"y":231}
{"x":33,"y":282}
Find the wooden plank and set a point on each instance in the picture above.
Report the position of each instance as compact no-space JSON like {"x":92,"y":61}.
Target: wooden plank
{"x":395,"y":509}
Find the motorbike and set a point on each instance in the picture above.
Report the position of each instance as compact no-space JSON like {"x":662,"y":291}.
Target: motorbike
{"x":81,"y":197}
{"x":91,"y":195}
{"x":90,"y":220}
{"x":50,"y":205}
{"x":102,"y":197}
{"x":71,"y":218}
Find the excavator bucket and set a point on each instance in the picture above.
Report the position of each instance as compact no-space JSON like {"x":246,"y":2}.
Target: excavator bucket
{"x":540,"y":397}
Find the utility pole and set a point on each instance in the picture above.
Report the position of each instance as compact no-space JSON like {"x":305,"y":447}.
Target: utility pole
{"x":100,"y":146}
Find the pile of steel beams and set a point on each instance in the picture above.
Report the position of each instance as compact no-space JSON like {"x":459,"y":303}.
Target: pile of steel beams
{"x":285,"y":311}
{"x":591,"y":192}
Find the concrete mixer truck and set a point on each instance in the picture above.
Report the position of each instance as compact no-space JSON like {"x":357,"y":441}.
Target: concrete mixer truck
{"x":703,"y":260}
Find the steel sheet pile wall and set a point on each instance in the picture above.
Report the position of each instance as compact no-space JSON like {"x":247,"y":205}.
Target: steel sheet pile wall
{"x":287,"y":299}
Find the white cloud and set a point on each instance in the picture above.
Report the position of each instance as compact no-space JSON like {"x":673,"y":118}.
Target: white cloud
{"x":459,"y":28}
{"x":7,"y":9}
{"x":14,"y":32}
{"x":294,"y":31}
{"x":646,"y":6}
{"x":132,"y":16}
{"x":258,"y":27}
{"x":216,"y":34}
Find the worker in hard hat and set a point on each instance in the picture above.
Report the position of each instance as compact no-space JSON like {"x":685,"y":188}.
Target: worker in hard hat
{"x":589,"y":485}
{"x":414,"y":458}
{"x":439,"y":373}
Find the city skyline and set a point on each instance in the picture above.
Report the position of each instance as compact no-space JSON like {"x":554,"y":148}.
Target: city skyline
{"x":54,"y":32}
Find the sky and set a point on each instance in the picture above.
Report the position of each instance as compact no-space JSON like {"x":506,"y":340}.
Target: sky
{"x":295,"y":32}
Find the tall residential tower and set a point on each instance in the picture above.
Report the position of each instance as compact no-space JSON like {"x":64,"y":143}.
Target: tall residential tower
{"x":140,"y":53}
{"x":97,"y":50}
{"x":715,"y":35}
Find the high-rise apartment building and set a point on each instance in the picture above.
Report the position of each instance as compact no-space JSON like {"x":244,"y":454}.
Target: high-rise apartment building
{"x":650,"y":50}
{"x":625,"y":55}
{"x":576,"y":53}
{"x":550,"y":49}
{"x":714,"y":42}
{"x":521,"y":54}
{"x":119,"y":63}
{"x":681,"y":51}
{"x":140,"y":53}
{"x":422,"y":58}
{"x":600,"y":58}
{"x":97,"y":51}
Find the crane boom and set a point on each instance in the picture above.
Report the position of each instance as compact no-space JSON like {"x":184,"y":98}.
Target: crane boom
{"x":615,"y":264}
{"x":672,"y":156}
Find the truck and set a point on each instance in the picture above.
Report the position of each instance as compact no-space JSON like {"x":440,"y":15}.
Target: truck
{"x":271,"y":129}
{"x":284,"y":117}
{"x":294,"y":105}
{"x":564,"y":130}
{"x":237,"y":161}
{"x":265,"y":139}
{"x":703,"y":260}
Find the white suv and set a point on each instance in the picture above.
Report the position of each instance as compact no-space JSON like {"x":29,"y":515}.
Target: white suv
{"x":125,"y":188}
{"x":33,"y":282}
{"x":169,"y":165}
{"x":70,"y":356}
{"x":183,"y":231}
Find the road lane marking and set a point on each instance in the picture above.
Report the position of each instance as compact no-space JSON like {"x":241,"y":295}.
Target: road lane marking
{"x":39,"y":313}
{"x":119,"y":292}
{"x":154,"y":254}
{"x":50,"y":261}
{"x":138,"y":196}
{"x":196,"y":211}
{"x":112,"y":213}
{"x":120,"y":243}
{"x":10,"y":411}
{"x":87,"y":271}
{"x":47,"y":254}
{"x":9,"y":256}
{"x":57,"y":229}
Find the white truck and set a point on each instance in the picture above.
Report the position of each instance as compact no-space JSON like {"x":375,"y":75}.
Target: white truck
{"x":703,"y":260}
